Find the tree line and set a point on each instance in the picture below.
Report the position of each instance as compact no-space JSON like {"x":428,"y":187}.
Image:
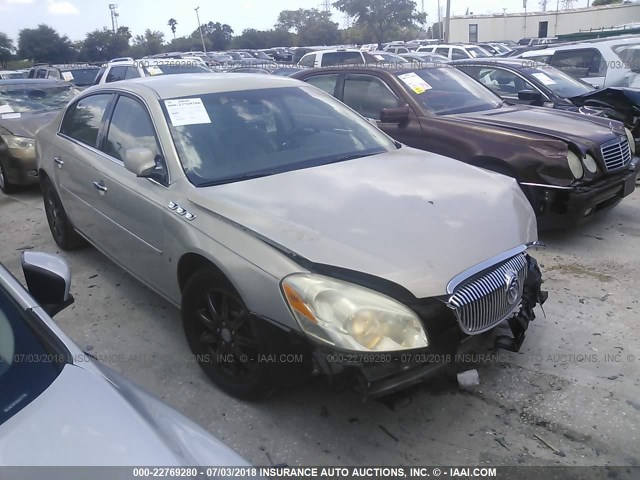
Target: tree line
{"x":370,"y":21}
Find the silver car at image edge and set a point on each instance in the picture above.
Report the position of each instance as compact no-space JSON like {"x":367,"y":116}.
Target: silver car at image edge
{"x":59,"y":407}
{"x":283,"y":223}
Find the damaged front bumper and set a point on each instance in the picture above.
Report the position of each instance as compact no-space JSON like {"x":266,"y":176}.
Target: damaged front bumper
{"x":563,"y":207}
{"x":376,"y":374}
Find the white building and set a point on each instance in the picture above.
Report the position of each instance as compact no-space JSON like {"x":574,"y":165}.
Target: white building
{"x":514,"y":26}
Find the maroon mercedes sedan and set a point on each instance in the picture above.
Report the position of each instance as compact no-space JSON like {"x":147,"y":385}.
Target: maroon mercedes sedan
{"x":570,"y":166}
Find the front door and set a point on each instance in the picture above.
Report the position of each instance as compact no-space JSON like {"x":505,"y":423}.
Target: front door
{"x":133,"y":208}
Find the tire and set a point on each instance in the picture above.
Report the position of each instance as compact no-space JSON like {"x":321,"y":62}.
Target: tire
{"x":6,"y":186}
{"x":61,"y":228}
{"x":225,"y":337}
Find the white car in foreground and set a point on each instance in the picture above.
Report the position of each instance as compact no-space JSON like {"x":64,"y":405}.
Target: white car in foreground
{"x":58,"y":407}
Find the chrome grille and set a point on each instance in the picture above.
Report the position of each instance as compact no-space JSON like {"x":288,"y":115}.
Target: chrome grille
{"x":616,"y":153}
{"x":483,"y":301}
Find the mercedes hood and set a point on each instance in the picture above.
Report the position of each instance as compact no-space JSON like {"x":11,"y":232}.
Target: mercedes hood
{"x":410,"y":217}
{"x":551,"y":123}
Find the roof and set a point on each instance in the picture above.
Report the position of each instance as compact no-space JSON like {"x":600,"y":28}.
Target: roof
{"x":33,"y":81}
{"x":189,"y":84}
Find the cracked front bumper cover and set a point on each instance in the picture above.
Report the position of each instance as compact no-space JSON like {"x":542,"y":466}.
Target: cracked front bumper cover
{"x":382,"y":373}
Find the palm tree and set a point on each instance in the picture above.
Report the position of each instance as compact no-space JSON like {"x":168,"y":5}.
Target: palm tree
{"x":172,"y":23}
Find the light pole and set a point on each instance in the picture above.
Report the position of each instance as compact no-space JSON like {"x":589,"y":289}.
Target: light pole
{"x":204,"y":49}
{"x":447,"y":22}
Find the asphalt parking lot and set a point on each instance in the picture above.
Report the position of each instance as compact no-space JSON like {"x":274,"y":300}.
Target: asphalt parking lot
{"x":570,"y":397}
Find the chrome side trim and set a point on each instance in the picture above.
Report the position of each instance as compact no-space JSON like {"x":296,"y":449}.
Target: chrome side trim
{"x":461,"y":277}
{"x":542,"y":185}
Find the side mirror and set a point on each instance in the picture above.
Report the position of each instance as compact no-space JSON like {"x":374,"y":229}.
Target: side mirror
{"x":140,"y":161}
{"x":48,"y":280}
{"x":531,"y":96}
{"x":394,"y":115}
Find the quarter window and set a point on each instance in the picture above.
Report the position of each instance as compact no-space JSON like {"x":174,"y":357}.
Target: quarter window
{"x":368,"y":95}
{"x":82,"y":121}
{"x":130,"y":127}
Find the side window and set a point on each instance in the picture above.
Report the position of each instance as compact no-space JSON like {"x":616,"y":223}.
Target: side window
{"x":82,"y":121}
{"x":42,"y":73}
{"x":116,"y":74}
{"x":459,"y":54}
{"x":443,"y":51}
{"x":326,"y":83}
{"x":342,"y":58}
{"x":308,"y":60}
{"x":130,"y":127}
{"x":503,"y":82}
{"x":580,"y":63}
{"x":368,"y":95}
{"x":132,"y":72}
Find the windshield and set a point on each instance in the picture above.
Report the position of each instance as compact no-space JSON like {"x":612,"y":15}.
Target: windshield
{"x":35,"y":97}
{"x":477,"y":52}
{"x":174,"y":68}
{"x":445,"y":91}
{"x":12,"y":75}
{"x":80,"y":76}
{"x":26,"y":368}
{"x":629,"y":53}
{"x":227,"y":137}
{"x":558,"y":82}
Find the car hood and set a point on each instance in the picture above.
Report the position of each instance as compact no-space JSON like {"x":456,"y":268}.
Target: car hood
{"x":27,"y":124}
{"x":548,"y":122}
{"x":414,"y":218}
{"x":87,"y":419}
{"x":625,"y":101}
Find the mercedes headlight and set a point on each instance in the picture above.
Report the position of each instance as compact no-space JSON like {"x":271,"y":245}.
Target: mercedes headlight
{"x":590,"y":163}
{"x":575,"y":165}
{"x":632,"y":141}
{"x":19,"y":143}
{"x":351,"y":317}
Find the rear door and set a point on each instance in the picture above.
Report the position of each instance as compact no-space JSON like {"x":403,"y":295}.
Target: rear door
{"x":75,"y":155}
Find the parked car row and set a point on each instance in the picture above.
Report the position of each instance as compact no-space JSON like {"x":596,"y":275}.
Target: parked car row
{"x":214,"y":194}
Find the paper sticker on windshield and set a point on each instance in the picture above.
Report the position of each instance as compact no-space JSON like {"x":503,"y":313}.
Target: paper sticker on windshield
{"x":415,"y":82}
{"x":379,"y":57}
{"x":6,"y":109}
{"x":7,"y":116}
{"x":154,"y":70}
{"x":544,"y":78}
{"x":187,"y":111}
{"x":67,"y":76}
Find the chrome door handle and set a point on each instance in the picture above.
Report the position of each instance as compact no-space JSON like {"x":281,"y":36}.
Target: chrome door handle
{"x":58,"y":161}
{"x":102,"y":189}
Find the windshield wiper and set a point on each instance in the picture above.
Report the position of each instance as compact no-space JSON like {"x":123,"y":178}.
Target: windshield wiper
{"x":238,"y":178}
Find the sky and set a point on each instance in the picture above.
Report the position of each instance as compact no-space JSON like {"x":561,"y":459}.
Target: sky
{"x":74,"y":18}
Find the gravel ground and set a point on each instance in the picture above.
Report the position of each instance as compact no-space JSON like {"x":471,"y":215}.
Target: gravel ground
{"x":570,"y":397}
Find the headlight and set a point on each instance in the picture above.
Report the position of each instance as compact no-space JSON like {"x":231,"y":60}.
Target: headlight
{"x":351,"y":317}
{"x":575,"y":165}
{"x":632,"y":141}
{"x":20,"y":143}
{"x":590,"y":163}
